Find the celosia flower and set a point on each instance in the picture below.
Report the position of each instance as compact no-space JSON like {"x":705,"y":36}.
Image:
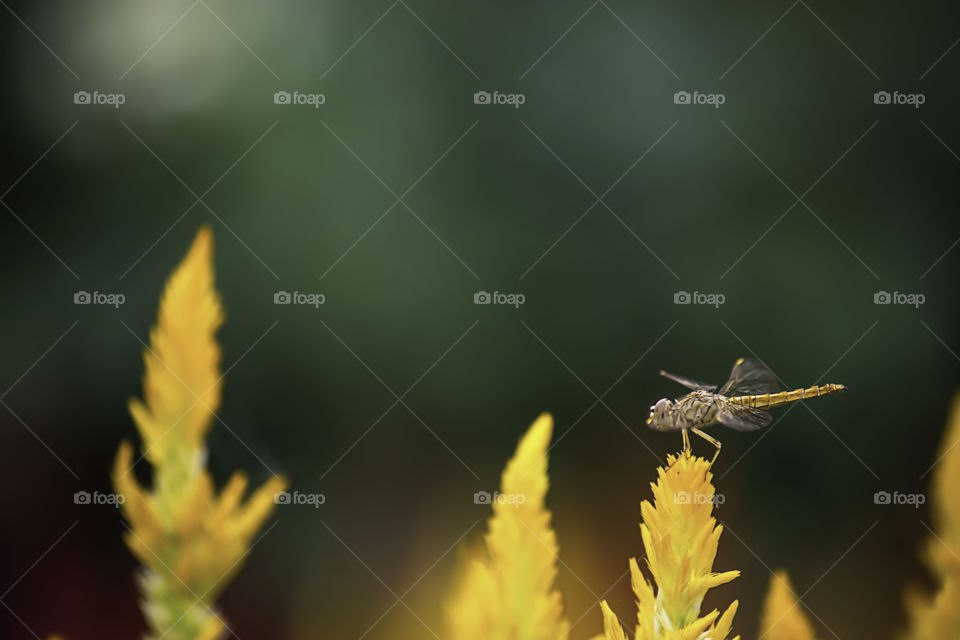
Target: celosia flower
{"x":937,"y":617}
{"x":783,"y":617}
{"x":189,"y":539}
{"x":506,"y":588}
{"x":680,"y":537}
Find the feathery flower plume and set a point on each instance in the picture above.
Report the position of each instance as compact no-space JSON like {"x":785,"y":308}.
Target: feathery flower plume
{"x":937,"y":616}
{"x":189,"y":539}
{"x":506,"y":590}
{"x":680,"y":537}
{"x":783,"y":617}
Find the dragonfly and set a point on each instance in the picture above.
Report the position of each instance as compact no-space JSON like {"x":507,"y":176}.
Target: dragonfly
{"x":740,"y":404}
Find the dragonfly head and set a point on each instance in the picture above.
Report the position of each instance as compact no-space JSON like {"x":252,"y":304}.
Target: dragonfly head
{"x":659,"y":418}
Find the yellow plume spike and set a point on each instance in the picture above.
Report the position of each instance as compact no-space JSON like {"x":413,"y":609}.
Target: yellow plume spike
{"x":938,"y":615}
{"x":506,"y":589}
{"x":190,"y":540}
{"x":181,"y":382}
{"x":680,"y":537}
{"x":783,"y":617}
{"x":611,"y":626}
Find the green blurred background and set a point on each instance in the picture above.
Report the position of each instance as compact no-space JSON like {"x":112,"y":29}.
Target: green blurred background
{"x":502,"y":199}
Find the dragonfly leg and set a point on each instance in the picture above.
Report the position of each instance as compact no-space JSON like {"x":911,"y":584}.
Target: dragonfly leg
{"x":686,"y":448}
{"x":709,"y":439}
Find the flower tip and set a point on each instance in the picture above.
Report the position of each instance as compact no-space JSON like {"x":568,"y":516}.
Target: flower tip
{"x":543,"y":425}
{"x":204,"y":238}
{"x":612,"y":630}
{"x":683,"y":463}
{"x":200,"y":254}
{"x":781,"y":617}
{"x":534,"y":443}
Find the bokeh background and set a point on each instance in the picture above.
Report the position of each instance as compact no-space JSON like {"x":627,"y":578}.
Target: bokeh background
{"x":598,"y":199}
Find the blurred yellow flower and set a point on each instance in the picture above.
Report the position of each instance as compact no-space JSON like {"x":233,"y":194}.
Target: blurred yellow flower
{"x":680,"y":537}
{"x":937,"y":617}
{"x":189,"y":539}
{"x":783,"y":617}
{"x":506,"y":591}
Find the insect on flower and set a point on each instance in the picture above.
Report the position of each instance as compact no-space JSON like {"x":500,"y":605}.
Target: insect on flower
{"x":740,"y":404}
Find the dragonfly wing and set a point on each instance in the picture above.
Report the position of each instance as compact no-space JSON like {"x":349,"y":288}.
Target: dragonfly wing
{"x":749,"y":377}
{"x":743,"y":418}
{"x":688,"y":383}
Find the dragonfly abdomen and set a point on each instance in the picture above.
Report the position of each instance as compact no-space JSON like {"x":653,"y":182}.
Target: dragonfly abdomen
{"x":767,"y":400}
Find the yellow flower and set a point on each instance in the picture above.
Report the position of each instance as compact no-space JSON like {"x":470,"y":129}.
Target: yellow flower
{"x":506,"y":588}
{"x":938,"y":616}
{"x":783,"y":617}
{"x":189,"y":539}
{"x":680,"y":538}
